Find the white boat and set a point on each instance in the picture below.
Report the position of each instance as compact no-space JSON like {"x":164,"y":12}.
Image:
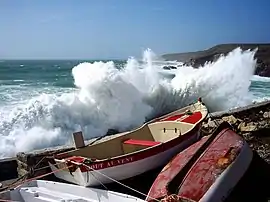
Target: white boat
{"x":48,"y":191}
{"x":134,"y":152}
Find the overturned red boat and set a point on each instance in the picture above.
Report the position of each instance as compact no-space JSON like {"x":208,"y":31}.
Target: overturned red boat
{"x":206,"y":171}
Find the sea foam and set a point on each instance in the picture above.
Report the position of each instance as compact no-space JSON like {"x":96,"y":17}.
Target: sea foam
{"x":107,"y":97}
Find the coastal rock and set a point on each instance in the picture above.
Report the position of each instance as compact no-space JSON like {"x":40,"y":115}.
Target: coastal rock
{"x":112,"y":132}
{"x":252,"y":122}
{"x":248,"y":137}
{"x":199,"y":58}
{"x":169,"y":67}
{"x":263,"y":124}
{"x":264,"y":152}
{"x":231,"y":119}
{"x":211,"y":124}
{"x":248,"y":127}
{"x":266,"y":115}
{"x":8,"y":168}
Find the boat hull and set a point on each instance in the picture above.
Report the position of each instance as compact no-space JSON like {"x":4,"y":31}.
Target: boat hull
{"x":206,"y":171}
{"x":132,"y":153}
{"x":42,"y":190}
{"x":225,"y":183}
{"x":85,"y":177}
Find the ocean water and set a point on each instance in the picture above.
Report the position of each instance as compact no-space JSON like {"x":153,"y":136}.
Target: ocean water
{"x":43,"y":102}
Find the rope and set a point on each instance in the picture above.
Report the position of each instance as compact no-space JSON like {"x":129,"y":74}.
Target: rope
{"x":38,"y":177}
{"x":99,"y":181}
{"x":128,"y":187}
{"x":40,"y":161}
{"x":46,"y":174}
{"x":171,"y":198}
{"x":20,"y":178}
{"x":32,"y":170}
{"x":14,"y":184}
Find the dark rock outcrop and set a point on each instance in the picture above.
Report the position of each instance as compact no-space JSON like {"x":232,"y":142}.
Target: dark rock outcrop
{"x":169,"y":67}
{"x":8,"y":169}
{"x":199,"y":58}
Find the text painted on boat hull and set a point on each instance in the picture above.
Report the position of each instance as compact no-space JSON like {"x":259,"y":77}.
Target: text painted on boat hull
{"x":111,"y":163}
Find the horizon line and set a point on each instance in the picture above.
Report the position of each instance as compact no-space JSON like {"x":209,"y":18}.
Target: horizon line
{"x":60,"y":59}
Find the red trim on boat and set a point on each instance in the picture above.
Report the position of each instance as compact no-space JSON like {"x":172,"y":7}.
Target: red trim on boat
{"x":194,"y":118}
{"x":141,"y":142}
{"x":102,"y":164}
{"x":172,"y":118}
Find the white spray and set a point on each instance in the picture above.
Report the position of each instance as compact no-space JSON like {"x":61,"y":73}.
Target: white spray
{"x":107,"y":97}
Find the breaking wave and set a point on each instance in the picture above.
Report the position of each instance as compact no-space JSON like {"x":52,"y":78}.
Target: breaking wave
{"x":108,"y":97}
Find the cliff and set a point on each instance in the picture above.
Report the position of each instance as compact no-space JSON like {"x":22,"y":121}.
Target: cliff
{"x":198,"y":58}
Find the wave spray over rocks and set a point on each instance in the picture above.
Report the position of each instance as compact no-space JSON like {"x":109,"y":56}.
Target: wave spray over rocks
{"x":107,"y":96}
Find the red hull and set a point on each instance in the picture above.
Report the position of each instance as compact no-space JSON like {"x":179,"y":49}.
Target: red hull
{"x":193,"y":171}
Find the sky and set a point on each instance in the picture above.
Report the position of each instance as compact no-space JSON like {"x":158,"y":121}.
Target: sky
{"x":117,"y":29}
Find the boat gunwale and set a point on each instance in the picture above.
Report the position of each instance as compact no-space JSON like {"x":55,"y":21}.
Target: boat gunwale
{"x":154,"y":150}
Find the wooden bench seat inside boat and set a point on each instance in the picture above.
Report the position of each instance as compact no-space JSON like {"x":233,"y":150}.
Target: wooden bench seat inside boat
{"x":141,"y":142}
{"x":132,"y":145}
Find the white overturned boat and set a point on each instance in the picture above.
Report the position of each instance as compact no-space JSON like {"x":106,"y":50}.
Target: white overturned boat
{"x":46,"y":191}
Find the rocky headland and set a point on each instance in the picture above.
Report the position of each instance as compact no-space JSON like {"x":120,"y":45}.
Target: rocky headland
{"x":199,"y":58}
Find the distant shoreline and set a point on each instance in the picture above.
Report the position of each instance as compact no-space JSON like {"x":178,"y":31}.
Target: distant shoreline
{"x":199,"y":58}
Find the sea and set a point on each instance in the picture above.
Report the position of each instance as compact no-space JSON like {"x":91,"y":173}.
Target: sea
{"x":42,"y":102}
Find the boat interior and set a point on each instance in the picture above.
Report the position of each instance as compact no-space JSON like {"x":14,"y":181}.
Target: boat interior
{"x":151,"y":134}
{"x":48,"y":191}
